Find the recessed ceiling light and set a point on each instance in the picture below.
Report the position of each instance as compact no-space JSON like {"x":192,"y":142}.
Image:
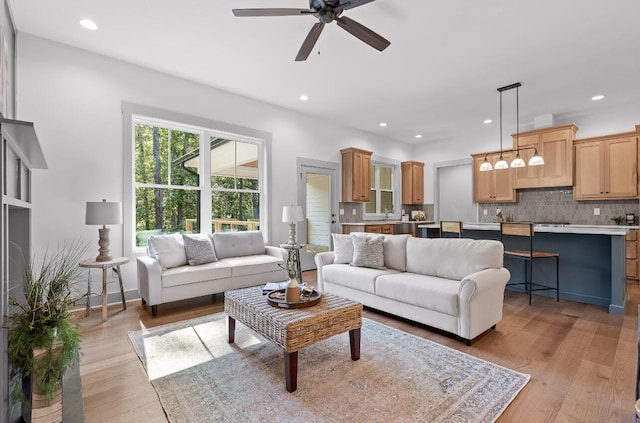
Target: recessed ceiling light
{"x":597,"y":97}
{"x":487,"y":121}
{"x":383,"y":124}
{"x":304,"y":97}
{"x":89,"y":24}
{"x":418,"y":136}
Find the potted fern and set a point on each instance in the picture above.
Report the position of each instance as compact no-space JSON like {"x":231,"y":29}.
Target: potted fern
{"x":43,"y":335}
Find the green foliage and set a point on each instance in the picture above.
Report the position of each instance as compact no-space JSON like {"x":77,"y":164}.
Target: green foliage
{"x":44,"y":320}
{"x":166,"y":162}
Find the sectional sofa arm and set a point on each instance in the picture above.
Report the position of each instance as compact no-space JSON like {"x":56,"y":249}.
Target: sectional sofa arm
{"x":276,"y":252}
{"x":481,"y":297}
{"x":150,"y":280}
{"x":322,"y":259}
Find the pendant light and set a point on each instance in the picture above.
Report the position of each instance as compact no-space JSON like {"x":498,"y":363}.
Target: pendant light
{"x":501,"y":163}
{"x":517,"y":162}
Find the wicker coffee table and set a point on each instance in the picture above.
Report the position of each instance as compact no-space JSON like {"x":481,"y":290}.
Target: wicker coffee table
{"x":294,"y":329}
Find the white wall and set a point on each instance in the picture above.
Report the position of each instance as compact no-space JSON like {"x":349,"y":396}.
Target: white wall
{"x":74,"y":98}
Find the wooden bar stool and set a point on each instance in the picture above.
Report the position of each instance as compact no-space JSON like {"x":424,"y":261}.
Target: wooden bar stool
{"x":449,"y":226}
{"x":529,"y":256}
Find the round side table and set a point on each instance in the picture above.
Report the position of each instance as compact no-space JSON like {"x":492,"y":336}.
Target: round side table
{"x":114,"y":263}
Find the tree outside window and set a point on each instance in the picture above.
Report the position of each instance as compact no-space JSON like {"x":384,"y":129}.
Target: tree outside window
{"x":168,"y":187}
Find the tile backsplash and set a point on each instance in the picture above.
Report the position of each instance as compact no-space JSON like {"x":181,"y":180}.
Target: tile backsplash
{"x":558,"y":205}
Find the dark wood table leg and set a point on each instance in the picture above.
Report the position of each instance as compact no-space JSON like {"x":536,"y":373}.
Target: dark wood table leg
{"x":231,"y":329}
{"x":354,"y":341}
{"x":291,"y":370}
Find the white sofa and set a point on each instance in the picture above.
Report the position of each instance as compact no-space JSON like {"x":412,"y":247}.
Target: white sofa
{"x":456,"y":285}
{"x":240,"y":259}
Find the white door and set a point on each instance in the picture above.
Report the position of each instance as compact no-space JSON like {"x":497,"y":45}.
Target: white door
{"x":316,"y":191}
{"x":454,"y":200}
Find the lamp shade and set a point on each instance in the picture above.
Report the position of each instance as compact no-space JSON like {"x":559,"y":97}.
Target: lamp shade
{"x":292,"y":214}
{"x":517,"y":162}
{"x":536,"y":160}
{"x":103,"y":213}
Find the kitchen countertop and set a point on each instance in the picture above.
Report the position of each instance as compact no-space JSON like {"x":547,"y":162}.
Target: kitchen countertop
{"x":567,"y":229}
{"x":387,"y":222}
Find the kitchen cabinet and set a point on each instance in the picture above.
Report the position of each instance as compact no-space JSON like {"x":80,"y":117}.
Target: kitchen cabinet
{"x":356,"y":175}
{"x":607,"y":167}
{"x":555,"y":145}
{"x":493,"y":186}
{"x":412,"y":182}
{"x":632,"y":245}
{"x":379,"y":229}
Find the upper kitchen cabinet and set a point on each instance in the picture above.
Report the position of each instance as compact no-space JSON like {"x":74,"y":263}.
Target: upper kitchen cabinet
{"x":356,"y":175}
{"x":555,"y":145}
{"x":493,"y":186}
{"x":412,"y":182}
{"x":607,"y":167}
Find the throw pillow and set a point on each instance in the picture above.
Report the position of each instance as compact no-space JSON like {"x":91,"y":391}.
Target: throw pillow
{"x":342,"y":248}
{"x":168,"y":250}
{"x":368,"y":252}
{"x":199,"y":249}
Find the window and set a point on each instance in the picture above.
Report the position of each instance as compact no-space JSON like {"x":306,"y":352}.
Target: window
{"x":171,"y":195}
{"x":383,"y":176}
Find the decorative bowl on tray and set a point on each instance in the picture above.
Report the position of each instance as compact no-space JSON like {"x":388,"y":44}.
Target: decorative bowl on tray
{"x":277,"y":299}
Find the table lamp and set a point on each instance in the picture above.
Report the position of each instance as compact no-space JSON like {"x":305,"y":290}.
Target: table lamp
{"x":103,"y":213}
{"x":292,"y":215}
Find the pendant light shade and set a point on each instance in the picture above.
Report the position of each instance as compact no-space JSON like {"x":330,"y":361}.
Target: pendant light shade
{"x":536,"y":159}
{"x":486,"y":165}
{"x":501,"y":164}
{"x":517,"y":162}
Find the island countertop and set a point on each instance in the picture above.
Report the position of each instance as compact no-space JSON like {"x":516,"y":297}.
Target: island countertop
{"x":550,"y":228}
{"x":592,"y":264}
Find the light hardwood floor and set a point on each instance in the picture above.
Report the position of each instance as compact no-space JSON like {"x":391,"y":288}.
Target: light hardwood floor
{"x":582,"y":360}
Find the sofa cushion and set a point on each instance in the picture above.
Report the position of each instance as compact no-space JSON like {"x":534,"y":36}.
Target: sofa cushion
{"x":428,"y":292}
{"x":342,"y":248}
{"x":199,"y":249}
{"x":394,"y":250}
{"x":238,"y":244}
{"x":168,"y":250}
{"x":368,"y":252}
{"x":452,"y":258}
{"x":252,"y":265}
{"x":192,"y":274}
{"x":360,"y":278}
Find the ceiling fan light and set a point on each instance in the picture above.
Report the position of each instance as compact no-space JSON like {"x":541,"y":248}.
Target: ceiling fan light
{"x":536,"y":160}
{"x":485,"y":166}
{"x":517,"y":162}
{"x":501,"y":164}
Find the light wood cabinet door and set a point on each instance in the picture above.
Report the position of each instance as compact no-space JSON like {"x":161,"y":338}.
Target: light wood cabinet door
{"x":555,"y":145}
{"x":607,"y":168}
{"x":528,"y":176}
{"x":589,"y":171}
{"x":374,"y":229}
{"x":632,"y":254}
{"x":621,"y":168}
{"x":412,"y":182}
{"x":494,"y":186}
{"x":356,"y":175}
{"x":556,"y":148}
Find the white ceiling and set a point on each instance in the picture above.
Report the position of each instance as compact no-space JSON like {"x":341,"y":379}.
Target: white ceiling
{"x":438,"y":78}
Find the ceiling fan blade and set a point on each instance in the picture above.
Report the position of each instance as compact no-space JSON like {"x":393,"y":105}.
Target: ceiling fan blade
{"x":270,"y":12}
{"x":362,"y":32}
{"x":309,"y":42}
{"x":350,"y":4}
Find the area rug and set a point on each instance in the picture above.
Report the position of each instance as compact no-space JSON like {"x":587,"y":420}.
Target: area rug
{"x":199,"y":377}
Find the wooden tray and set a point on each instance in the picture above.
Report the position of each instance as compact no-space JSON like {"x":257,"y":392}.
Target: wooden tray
{"x":272,"y":298}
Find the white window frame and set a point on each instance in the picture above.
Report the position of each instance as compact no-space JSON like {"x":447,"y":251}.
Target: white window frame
{"x":396,"y":176}
{"x":134,"y":113}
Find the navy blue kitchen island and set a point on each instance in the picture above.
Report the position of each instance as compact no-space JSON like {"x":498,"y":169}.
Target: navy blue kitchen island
{"x":592,"y":260}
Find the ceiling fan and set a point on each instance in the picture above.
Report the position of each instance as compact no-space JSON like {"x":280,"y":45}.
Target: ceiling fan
{"x":326,"y":11}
